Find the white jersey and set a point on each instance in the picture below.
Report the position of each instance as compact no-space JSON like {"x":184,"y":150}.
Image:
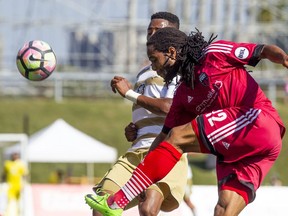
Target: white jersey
{"x":149,"y":125}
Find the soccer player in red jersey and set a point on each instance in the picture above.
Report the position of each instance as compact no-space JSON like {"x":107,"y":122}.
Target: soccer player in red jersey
{"x":218,"y":109}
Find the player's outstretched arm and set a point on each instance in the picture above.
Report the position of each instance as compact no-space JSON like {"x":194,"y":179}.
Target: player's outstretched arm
{"x":159,"y":106}
{"x":275,"y":54}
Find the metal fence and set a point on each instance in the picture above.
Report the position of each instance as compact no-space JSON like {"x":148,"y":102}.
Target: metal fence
{"x":90,"y":85}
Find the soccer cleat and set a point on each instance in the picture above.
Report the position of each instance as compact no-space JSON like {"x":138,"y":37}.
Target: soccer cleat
{"x":100,"y":204}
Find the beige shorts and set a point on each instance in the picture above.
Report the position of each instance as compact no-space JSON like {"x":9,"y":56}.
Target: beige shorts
{"x":188,"y":188}
{"x":172,"y":186}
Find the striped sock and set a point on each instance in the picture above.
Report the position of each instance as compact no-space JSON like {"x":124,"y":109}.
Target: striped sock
{"x":156,"y":165}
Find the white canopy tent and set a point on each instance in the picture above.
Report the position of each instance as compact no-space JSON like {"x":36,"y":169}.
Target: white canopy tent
{"x":62,"y":143}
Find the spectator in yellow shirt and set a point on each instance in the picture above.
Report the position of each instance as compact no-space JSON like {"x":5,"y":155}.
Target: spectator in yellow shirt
{"x":14,"y":171}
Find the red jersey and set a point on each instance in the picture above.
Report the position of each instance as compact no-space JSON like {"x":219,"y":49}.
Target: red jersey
{"x":221,"y":81}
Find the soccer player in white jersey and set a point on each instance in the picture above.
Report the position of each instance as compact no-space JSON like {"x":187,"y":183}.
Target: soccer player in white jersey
{"x":151,"y":102}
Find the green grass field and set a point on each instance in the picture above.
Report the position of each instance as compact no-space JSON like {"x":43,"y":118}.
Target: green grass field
{"x":105,"y":120}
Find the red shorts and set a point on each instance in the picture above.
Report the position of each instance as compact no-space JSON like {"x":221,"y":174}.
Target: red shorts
{"x":246,"y":142}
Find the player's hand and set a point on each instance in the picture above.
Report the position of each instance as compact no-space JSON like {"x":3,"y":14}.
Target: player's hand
{"x":120,"y":85}
{"x":113,"y":83}
{"x":131,"y":132}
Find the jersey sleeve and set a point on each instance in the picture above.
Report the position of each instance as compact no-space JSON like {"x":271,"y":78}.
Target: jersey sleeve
{"x":170,"y":120}
{"x":168,"y":92}
{"x":177,"y":114}
{"x":233,"y":53}
{"x":155,"y":87}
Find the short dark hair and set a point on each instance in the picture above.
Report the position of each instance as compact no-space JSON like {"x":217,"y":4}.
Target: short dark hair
{"x":171,"y":18}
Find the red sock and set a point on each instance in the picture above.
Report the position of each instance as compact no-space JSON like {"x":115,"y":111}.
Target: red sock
{"x":155,"y":166}
{"x":120,"y":200}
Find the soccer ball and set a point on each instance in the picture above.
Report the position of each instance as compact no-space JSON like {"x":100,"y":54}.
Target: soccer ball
{"x":36,"y":60}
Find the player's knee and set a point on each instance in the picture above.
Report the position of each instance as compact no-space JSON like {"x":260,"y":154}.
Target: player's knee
{"x":148,"y":210}
{"x":228,"y":206}
{"x":181,"y":135}
{"x":174,"y":133}
{"x":151,"y":206}
{"x":222,"y":204}
{"x":219,"y":210}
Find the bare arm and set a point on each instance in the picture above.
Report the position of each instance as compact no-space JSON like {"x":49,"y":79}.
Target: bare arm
{"x":275,"y":54}
{"x":159,"y":106}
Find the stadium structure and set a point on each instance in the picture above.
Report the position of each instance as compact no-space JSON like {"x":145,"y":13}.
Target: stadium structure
{"x":101,"y":38}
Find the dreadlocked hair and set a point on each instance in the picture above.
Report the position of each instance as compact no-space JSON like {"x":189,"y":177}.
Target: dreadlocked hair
{"x":189,"y":51}
{"x":190,"y":55}
{"x":164,"y":38}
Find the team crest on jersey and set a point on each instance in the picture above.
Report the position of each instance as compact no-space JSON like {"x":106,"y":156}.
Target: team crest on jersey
{"x":140,"y":89}
{"x":242,"y":52}
{"x":203,"y":78}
